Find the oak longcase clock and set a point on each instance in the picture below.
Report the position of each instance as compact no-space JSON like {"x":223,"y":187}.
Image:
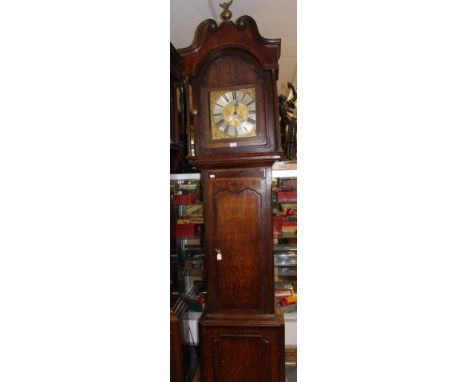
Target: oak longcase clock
{"x":232,"y":71}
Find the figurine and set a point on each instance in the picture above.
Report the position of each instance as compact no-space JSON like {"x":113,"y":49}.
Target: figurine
{"x":226,"y":14}
{"x":288,"y":123}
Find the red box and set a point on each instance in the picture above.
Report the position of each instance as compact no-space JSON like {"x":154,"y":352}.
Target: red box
{"x":183,"y":199}
{"x":277,"y":222}
{"x":185,"y":230}
{"x":287,"y":196}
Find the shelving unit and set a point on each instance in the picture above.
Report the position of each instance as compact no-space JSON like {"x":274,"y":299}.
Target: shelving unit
{"x":187,"y":250}
{"x":186,"y":265}
{"x":196,"y":175}
{"x":284,"y":195}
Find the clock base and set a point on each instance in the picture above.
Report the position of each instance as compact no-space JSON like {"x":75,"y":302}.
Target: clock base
{"x":242,"y":350}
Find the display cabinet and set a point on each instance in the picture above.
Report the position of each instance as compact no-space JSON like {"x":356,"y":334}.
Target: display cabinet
{"x":187,"y":251}
{"x":186,"y":270}
{"x":284,"y":195}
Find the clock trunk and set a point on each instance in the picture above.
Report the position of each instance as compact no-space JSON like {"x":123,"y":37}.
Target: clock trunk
{"x":239,"y":232}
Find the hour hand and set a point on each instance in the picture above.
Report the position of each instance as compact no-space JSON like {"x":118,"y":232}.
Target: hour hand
{"x":231,"y":117}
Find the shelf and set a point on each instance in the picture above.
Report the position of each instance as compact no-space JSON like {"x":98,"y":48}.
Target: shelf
{"x":192,"y":272}
{"x":292,"y":236}
{"x":275,"y":174}
{"x":284,"y":174}
{"x":191,"y":176}
{"x":285,"y":274}
{"x":290,"y":316}
{"x":284,"y":193}
{"x":285,"y":247}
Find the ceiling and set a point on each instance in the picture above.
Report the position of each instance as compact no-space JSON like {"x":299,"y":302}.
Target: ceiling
{"x":275,"y":19}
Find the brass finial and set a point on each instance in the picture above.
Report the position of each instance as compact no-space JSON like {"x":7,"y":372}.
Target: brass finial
{"x":226,"y":14}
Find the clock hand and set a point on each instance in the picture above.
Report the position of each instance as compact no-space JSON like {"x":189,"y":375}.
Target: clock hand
{"x":231,"y":117}
{"x":234,"y":114}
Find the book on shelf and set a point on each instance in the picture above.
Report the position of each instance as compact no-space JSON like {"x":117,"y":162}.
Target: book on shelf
{"x":287,"y":196}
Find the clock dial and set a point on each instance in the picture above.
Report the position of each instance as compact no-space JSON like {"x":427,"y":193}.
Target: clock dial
{"x":233,"y":113}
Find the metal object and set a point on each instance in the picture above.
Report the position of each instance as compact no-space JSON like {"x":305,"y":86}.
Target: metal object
{"x":288,"y":122}
{"x":226,"y":14}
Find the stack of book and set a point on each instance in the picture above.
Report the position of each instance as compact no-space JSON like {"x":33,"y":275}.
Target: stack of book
{"x":285,"y":297}
{"x":284,"y":209}
{"x":190,"y":210}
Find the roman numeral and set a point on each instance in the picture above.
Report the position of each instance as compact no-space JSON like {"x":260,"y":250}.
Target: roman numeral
{"x":220,"y":122}
{"x":223,"y":127}
{"x":250,"y":112}
{"x":231,"y":131}
{"x":218,"y":114}
{"x":243,"y":97}
{"x":251,"y":121}
{"x":251,"y":102}
{"x":234,"y":95}
{"x":244,"y":128}
{"x":226,"y":98}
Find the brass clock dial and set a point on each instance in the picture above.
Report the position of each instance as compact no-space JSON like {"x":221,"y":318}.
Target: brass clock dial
{"x":233,"y":113}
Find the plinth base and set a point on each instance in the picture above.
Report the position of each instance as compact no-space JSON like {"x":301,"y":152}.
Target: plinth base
{"x":242,"y":350}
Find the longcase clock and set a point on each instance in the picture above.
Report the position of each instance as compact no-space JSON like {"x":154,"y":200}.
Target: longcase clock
{"x":232,"y":71}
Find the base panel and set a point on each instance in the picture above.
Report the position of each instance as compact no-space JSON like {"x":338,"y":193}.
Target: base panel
{"x":234,"y":352}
